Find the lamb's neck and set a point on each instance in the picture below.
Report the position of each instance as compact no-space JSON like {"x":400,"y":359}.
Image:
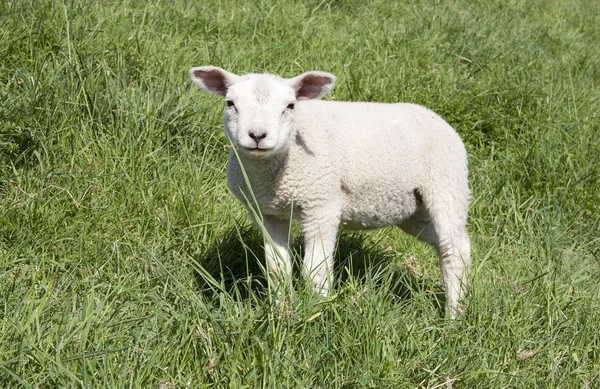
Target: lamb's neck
{"x":270,"y":166}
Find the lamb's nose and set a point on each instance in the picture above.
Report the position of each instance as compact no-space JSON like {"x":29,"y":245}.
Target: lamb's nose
{"x":257,"y":136}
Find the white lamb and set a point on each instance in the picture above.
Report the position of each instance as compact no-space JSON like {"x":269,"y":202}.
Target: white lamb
{"x":336,"y":164}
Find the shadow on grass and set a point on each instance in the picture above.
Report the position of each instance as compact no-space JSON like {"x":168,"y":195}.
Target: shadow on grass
{"x":235,"y":263}
{"x":237,"y":260}
{"x":361,"y":258}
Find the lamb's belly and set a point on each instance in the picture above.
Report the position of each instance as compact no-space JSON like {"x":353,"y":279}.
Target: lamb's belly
{"x":377,"y":211}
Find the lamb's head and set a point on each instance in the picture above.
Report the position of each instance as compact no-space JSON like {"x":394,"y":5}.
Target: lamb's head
{"x":259,"y":112}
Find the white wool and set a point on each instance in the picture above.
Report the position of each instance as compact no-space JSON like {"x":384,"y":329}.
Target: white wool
{"x":338,"y":165}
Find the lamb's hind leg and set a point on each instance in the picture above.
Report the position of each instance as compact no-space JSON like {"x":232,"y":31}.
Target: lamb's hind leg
{"x":448,"y":210}
{"x":445,"y":228}
{"x":454,"y":250}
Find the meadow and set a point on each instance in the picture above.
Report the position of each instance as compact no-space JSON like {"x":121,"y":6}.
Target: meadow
{"x":126,"y":263}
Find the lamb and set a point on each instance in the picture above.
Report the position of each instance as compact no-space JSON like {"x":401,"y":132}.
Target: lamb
{"x":332,"y":165}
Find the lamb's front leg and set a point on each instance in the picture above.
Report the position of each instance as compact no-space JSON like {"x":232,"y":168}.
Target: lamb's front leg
{"x":278,"y":241}
{"x":320,"y":237}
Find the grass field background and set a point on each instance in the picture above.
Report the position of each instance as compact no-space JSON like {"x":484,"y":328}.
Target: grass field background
{"x":125,"y":262}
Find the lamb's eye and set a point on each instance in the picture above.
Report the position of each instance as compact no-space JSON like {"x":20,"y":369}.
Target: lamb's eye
{"x":291,"y":106}
{"x":229,"y":103}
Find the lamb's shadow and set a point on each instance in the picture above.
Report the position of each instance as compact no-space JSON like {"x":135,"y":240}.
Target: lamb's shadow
{"x":236,"y":263}
{"x":359,"y":257}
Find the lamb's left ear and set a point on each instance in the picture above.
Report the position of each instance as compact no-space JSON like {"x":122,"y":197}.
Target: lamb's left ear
{"x":312,"y":85}
{"x":213,"y":79}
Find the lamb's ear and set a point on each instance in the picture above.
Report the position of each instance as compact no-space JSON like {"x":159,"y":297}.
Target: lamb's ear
{"x":213,"y":79}
{"x":312,"y":85}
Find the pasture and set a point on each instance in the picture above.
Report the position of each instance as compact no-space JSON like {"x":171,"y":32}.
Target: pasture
{"x":126,"y":263}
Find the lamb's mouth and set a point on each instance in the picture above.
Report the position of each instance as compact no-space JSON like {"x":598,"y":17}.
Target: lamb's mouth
{"x":256,"y":150}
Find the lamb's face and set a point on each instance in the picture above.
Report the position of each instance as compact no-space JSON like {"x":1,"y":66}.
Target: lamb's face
{"x":259,"y":115}
{"x":259,"y":108}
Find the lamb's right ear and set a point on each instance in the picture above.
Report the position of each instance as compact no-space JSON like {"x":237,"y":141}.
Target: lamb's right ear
{"x":312,"y":85}
{"x":213,"y":79}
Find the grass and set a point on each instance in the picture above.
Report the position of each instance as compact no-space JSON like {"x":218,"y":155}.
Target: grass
{"x":124,"y":261}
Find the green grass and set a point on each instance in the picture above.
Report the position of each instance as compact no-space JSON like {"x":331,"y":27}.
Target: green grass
{"x":125,"y":262}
